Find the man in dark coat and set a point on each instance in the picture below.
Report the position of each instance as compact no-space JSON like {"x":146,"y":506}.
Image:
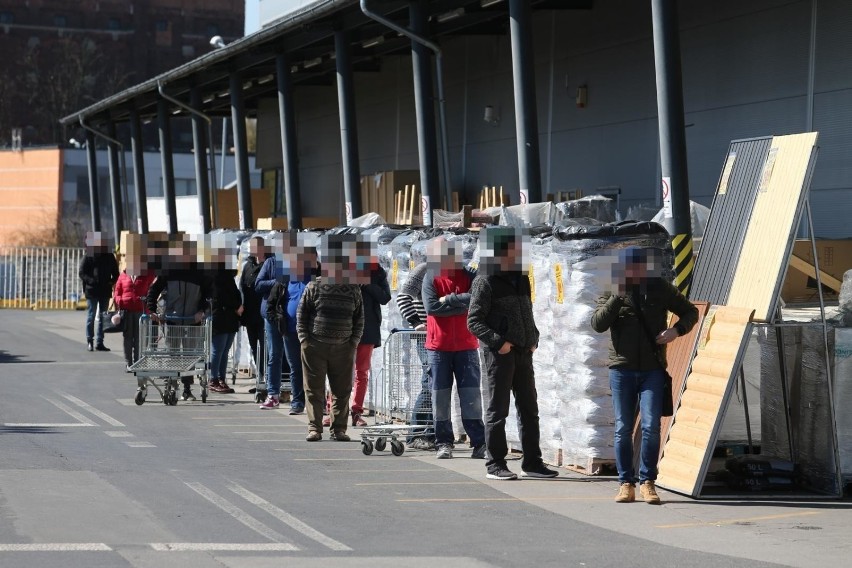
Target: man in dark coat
{"x":99,"y":273}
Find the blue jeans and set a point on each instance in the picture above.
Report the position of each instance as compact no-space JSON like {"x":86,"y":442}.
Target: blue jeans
{"x":94,"y":326}
{"x":293,"y":351}
{"x":275,"y":352}
{"x":634,"y":391}
{"x":219,"y":355}
{"x":443,"y":365}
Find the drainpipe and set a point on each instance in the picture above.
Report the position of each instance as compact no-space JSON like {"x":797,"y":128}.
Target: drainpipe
{"x":123,"y":167}
{"x":439,"y":68}
{"x":213,"y":188}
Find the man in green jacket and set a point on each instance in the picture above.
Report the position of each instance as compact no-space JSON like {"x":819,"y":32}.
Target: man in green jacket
{"x":637,"y":319}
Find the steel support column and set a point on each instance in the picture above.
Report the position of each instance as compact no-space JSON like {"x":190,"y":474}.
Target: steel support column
{"x":202,"y":176}
{"x":675,"y":182}
{"x":168,"y":170}
{"x":526,"y":113}
{"x":287,"y":117}
{"x":141,"y":192}
{"x":348,"y":127}
{"x":115,"y":183}
{"x":238,"y":117}
{"x":424,"y":104}
{"x":94,"y":197}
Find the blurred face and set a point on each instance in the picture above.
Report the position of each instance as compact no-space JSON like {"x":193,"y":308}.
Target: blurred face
{"x":256,"y":248}
{"x":443,"y":255}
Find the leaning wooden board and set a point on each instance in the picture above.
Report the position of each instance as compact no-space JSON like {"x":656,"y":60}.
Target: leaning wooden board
{"x":721,"y":344}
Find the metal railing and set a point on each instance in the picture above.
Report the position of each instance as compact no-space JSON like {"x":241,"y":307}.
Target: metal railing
{"x":40,"y":278}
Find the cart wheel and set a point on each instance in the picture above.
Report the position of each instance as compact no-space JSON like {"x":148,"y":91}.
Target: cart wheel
{"x":259,"y":396}
{"x":140,"y":398}
{"x":397,"y":448}
{"x":367,"y":447}
{"x":233,"y":378}
{"x":173,"y":398}
{"x":204,"y":395}
{"x":166,"y":397}
{"x":381,"y":444}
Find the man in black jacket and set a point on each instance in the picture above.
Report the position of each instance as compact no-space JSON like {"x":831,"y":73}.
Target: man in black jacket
{"x":99,"y":272}
{"x":252,"y":319}
{"x":501,"y":317}
{"x":637,"y":319}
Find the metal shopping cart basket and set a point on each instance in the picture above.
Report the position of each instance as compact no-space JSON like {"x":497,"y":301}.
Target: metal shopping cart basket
{"x":401,"y":395}
{"x":171,"y":349}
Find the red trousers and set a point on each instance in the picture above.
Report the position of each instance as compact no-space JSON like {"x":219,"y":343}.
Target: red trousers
{"x":363,"y":358}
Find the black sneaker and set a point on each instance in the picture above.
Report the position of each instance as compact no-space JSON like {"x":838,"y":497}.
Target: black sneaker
{"x":90,"y":346}
{"x":540,"y":472}
{"x":478,"y":452}
{"x":102,"y":347}
{"x":187,"y":394}
{"x":501,"y":473}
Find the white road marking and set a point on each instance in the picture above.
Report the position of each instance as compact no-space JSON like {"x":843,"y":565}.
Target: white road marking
{"x":69,"y":411}
{"x":43,"y":425}
{"x":56,"y":547}
{"x":118,"y":434}
{"x":235,"y":512}
{"x":287,"y":518}
{"x":85,"y":406}
{"x":140,"y":444}
{"x":222,"y":547}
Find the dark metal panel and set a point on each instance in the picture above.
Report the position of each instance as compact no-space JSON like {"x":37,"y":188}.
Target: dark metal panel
{"x":729,"y":217}
{"x":92,"y":163}
{"x":115,"y":174}
{"x":137,"y":149}
{"x":167,"y":159}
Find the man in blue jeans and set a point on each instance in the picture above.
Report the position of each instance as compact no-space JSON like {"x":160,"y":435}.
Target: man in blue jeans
{"x":99,"y":273}
{"x":451,"y":348}
{"x":637,"y":319}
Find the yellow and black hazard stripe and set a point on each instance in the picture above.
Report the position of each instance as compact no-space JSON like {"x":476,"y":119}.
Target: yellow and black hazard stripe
{"x":684,"y":262}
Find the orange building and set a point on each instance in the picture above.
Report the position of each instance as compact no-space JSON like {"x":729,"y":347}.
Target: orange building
{"x":30,"y":196}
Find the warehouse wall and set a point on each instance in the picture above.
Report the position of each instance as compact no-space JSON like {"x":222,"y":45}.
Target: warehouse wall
{"x":745,"y":72}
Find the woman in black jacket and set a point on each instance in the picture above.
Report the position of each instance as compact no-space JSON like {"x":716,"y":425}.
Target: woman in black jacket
{"x":227,"y":307}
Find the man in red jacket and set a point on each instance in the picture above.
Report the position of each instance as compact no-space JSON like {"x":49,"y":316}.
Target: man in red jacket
{"x":451,"y":348}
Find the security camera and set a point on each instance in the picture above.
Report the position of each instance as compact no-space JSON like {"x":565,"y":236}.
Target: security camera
{"x":217,"y":42}
{"x":74,"y":143}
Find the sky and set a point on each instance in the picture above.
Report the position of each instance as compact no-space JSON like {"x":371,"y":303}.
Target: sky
{"x":252,"y":16}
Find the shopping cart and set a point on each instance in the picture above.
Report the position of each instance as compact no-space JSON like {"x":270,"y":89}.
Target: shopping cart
{"x":403,"y":402}
{"x":260,"y":381}
{"x":171,"y":349}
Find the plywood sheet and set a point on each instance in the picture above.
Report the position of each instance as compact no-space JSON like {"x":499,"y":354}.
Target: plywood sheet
{"x":782,"y":190}
{"x":728,"y":221}
{"x":721,"y":341}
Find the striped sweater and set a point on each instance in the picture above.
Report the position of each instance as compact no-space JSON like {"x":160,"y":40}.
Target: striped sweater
{"x":408,"y":298}
{"x":331,"y":313}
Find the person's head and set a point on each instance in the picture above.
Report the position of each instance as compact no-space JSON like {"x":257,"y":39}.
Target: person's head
{"x":503,"y":249}
{"x":300,"y":256}
{"x":638,"y":266}
{"x":443,"y":255}
{"x":256,"y":248}
{"x":97,"y":242}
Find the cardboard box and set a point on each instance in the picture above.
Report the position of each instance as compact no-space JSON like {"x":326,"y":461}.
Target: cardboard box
{"x":835,"y":258}
{"x":229,"y":217}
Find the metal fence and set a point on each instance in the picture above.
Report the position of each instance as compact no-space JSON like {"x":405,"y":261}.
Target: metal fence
{"x":40,"y":277}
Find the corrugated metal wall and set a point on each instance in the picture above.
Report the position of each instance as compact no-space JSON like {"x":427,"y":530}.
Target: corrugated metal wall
{"x":745,"y":69}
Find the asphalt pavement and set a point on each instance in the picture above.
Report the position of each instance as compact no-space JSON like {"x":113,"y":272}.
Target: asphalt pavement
{"x":89,"y":479}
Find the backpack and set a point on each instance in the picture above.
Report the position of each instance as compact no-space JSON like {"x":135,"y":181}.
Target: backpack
{"x":276,"y":307}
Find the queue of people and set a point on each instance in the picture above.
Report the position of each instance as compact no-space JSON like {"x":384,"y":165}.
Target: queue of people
{"x":320,"y":308}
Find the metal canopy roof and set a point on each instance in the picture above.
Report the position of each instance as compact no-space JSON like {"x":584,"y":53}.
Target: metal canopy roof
{"x":307,"y":36}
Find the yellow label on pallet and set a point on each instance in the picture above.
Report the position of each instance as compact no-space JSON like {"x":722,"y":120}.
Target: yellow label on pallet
{"x":411,"y":265}
{"x":560,"y":292}
{"x":532,"y":285}
{"x":394,"y":275}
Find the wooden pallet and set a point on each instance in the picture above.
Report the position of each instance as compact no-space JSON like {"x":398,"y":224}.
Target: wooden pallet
{"x":591,"y":466}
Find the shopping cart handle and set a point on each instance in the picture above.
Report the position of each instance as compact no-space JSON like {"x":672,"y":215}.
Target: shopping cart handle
{"x":405,"y":330}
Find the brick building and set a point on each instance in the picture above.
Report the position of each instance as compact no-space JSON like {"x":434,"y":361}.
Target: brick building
{"x":60,"y":55}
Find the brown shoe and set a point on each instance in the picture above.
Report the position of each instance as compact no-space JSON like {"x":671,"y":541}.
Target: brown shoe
{"x":313,"y":436}
{"x":340,"y":436}
{"x":626,"y":493}
{"x":649,"y":492}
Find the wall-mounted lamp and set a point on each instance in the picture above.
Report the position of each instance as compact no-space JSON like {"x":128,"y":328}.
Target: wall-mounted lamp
{"x":308,"y":63}
{"x":491,"y":115}
{"x":373,"y":42}
{"x":451,"y":15}
{"x":582,"y":96}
